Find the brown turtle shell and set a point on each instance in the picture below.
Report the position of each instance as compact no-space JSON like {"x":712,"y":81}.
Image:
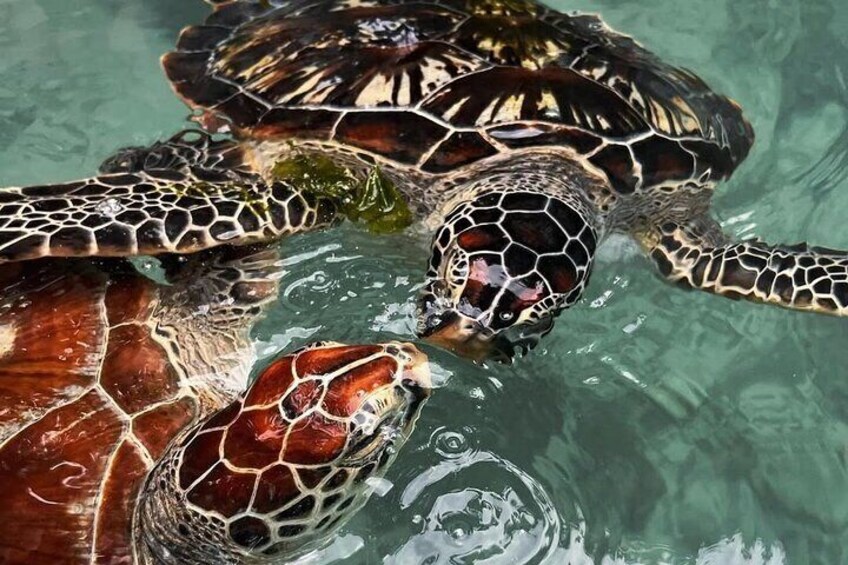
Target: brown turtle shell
{"x":442,"y":84}
{"x":90,"y":400}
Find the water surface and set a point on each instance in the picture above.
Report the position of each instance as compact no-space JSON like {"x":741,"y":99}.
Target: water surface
{"x":653,"y":425}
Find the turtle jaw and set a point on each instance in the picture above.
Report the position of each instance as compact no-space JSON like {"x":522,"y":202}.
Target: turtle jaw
{"x":453,"y":324}
{"x":388,"y":414}
{"x":416,"y":381}
{"x":396,"y":407}
{"x":468,"y":338}
{"x":458,"y":333}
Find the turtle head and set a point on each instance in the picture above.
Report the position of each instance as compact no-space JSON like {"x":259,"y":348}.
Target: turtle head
{"x":275,"y":473}
{"x":503,"y":265}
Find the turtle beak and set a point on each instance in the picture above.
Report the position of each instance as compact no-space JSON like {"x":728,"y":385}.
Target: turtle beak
{"x":458,"y":333}
{"x":467,"y":337}
{"x":415,"y":378}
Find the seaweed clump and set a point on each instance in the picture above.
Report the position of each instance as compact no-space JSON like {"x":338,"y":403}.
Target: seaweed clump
{"x":374,"y":201}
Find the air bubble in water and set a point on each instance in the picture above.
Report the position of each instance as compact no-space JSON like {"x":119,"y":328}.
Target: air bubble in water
{"x":379,"y":485}
{"x":450,"y":444}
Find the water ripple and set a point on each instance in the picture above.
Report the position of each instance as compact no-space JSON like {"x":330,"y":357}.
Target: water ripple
{"x":476,"y":507}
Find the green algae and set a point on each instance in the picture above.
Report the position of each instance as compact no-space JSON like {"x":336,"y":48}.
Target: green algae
{"x":374,"y":201}
{"x":379,"y":204}
{"x":316,"y":174}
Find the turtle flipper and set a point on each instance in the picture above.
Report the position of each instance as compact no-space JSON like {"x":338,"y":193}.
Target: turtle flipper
{"x":180,"y":196}
{"x":800,"y":277}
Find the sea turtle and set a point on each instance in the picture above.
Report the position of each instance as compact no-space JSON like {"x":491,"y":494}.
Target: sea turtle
{"x":520,"y":135}
{"x":124,"y":434}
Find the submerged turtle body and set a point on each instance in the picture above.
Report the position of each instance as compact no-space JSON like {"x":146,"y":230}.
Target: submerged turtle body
{"x":91,"y":399}
{"x":520,"y":135}
{"x":126,"y":434}
{"x":124,"y":437}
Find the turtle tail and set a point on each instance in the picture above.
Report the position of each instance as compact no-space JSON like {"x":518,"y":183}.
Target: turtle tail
{"x":183,"y":195}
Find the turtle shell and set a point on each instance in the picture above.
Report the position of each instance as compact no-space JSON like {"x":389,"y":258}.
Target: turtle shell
{"x":90,"y":400}
{"x":444,"y":84}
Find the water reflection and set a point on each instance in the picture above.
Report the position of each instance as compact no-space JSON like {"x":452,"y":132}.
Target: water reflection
{"x":814,"y":86}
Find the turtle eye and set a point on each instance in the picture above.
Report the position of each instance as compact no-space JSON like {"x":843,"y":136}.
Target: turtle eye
{"x":506,"y":316}
{"x":366,"y":445}
{"x":370,"y":438}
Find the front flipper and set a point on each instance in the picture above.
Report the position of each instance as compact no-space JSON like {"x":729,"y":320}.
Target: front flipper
{"x":183,"y":195}
{"x":698,"y":255}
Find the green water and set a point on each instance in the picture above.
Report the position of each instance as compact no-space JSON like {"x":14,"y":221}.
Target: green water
{"x":653,"y":425}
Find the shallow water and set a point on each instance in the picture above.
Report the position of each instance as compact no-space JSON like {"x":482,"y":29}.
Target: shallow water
{"x":653,"y":425}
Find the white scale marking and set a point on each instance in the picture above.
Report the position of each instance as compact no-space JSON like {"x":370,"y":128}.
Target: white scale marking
{"x":67,"y":481}
{"x":7,"y":339}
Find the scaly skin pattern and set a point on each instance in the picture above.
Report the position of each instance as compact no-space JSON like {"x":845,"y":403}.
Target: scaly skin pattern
{"x":100,"y":369}
{"x":459,"y":99}
{"x":286,"y":464}
{"x":503,"y":252}
{"x":452,"y":100}
{"x":444,"y":84}
{"x":800,"y":277}
{"x":443,"y":89}
{"x":184,"y":195}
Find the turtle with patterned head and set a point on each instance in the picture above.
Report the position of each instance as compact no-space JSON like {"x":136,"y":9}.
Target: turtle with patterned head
{"x":520,"y":135}
{"x":127,"y":435}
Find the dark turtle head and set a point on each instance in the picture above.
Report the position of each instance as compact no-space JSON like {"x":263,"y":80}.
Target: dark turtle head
{"x":278,"y":471}
{"x":503,"y":265}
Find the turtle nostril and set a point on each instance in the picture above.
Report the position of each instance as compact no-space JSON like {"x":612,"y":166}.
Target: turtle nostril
{"x":409,"y":351}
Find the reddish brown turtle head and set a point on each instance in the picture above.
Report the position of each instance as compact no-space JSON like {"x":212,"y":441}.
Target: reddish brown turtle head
{"x":279,"y":469}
